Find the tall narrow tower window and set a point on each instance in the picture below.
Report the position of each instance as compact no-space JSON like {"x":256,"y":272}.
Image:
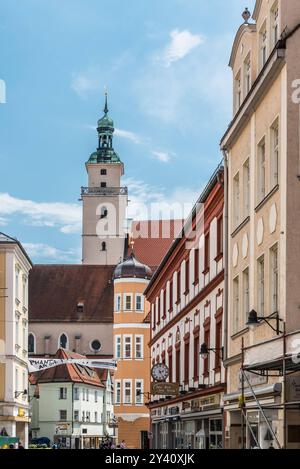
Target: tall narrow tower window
{"x":104,"y":212}
{"x":103,"y":246}
{"x":63,"y":341}
{"x":103,"y":172}
{"x":103,"y":184}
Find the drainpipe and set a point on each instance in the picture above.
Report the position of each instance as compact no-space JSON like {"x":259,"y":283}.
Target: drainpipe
{"x":226,"y":241}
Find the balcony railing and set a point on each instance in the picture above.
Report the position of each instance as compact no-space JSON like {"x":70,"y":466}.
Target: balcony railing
{"x":104,"y":191}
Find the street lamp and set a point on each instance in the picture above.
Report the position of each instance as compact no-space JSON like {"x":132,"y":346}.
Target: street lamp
{"x":254,"y":320}
{"x":204,"y":351}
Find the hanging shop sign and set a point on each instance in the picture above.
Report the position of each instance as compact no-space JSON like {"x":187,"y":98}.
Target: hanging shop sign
{"x":164,"y":389}
{"x":39,"y":364}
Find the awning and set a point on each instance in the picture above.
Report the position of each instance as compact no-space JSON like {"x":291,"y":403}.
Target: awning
{"x":259,"y":391}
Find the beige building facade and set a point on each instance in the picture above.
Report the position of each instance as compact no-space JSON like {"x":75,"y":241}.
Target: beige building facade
{"x":14,"y":408}
{"x":261,"y":148}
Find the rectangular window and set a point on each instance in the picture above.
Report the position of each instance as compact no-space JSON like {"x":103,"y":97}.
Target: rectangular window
{"x":263,"y":45}
{"x":274,"y":163}
{"x":236,"y":304}
{"x":24,"y":292}
{"x":247,"y":75}
{"x":118,"y":346}
{"x":88,"y":416}
{"x":218,"y":344}
{"x":128,"y":305}
{"x":170,"y":364}
{"x":206,"y":359}
{"x":246,"y":187}
{"x":186,"y":361}
{"x":62,"y":415}
{"x":83,"y":394}
{"x":127,"y":392}
{"x":178,"y":286}
{"x":117,"y":303}
{"x":76,"y":415}
{"x":96,"y":396}
{"x":83,"y":416}
{"x":87,"y":394}
{"x":261,"y":285}
{"x":118,"y":392}
{"x":196,"y":358}
{"x":206,"y":252}
{"x":178,"y":365}
{"x":96,"y":416}
{"x":220,"y":236}
{"x":171,"y":296}
{"x":25,"y":344}
{"x":274,"y":278}
{"x":138,"y":346}
{"x":196,"y":266}
{"x":76,"y":394}
{"x":103,"y":184}
{"x":62,"y":393}
{"x":127,"y":346}
{"x":103,"y":172}
{"x":17,"y":277}
{"x":17,"y":330}
{"x":17,"y":379}
{"x":275,"y":24}
{"x":246,"y":308}
{"x":158,"y":310}
{"x":138,"y":391}
{"x":238,"y":92}
{"x":138,"y":302}
{"x":187,"y":276}
{"x":164,"y":303}
{"x":261,"y":170}
{"x":236,"y":200}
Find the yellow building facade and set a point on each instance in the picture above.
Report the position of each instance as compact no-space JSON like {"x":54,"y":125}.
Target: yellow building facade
{"x":131,"y":337}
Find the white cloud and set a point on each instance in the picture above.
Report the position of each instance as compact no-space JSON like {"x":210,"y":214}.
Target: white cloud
{"x":181,"y":44}
{"x":67,"y":217}
{"x":162,"y":156}
{"x":127,"y":134}
{"x":3,"y":221}
{"x":82,"y":83}
{"x":149,"y":202}
{"x":48,"y":253}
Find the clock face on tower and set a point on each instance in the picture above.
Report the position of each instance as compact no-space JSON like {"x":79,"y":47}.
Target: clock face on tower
{"x":160,"y":372}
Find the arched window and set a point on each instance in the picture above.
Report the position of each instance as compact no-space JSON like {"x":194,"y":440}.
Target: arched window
{"x":63,"y":341}
{"x":104,"y":212}
{"x":103,"y":246}
{"x":31,"y":343}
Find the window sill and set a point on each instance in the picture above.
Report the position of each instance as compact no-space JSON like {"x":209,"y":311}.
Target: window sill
{"x":240,"y":226}
{"x":186,"y":292}
{"x":196,"y":282}
{"x":170,"y":310}
{"x":239,"y":333}
{"x":266,"y":198}
{"x":205,"y":271}
{"x":177,"y":302}
{"x":219,"y":257}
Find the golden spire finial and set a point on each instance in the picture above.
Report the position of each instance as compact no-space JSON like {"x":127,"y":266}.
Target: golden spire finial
{"x":131,"y":241}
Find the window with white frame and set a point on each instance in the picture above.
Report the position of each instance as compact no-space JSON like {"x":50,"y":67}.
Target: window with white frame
{"x":261,"y":285}
{"x":263,"y":45}
{"x":274,"y":24}
{"x":138,"y":346}
{"x":62,"y":415}
{"x":274,"y":156}
{"x":17,"y":330}
{"x":96,"y":396}
{"x":17,"y":379}
{"x":76,"y":415}
{"x":17,"y":281}
{"x":83,"y":394}
{"x":261,"y":170}
{"x":236,"y":304}
{"x":139,"y":302}
{"x":127,"y":352}
{"x":87,"y":394}
{"x":139,"y":391}
{"x":117,"y":392}
{"x":274,"y":278}
{"x":117,"y":302}
{"x":76,"y":394}
{"x":247,"y":75}
{"x":24,"y":296}
{"x":246,"y":293}
{"x":96,"y":417}
{"x":83,"y":416}
{"x":128,"y":302}
{"x":238,"y":91}
{"x":127,"y":389}
{"x":118,"y":346}
{"x":246,"y":187}
{"x":24,"y":335}
{"x":236,"y":200}
{"x":24,"y":387}
{"x":62,"y":393}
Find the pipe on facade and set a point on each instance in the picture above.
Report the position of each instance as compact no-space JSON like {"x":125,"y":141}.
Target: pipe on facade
{"x":226,"y":240}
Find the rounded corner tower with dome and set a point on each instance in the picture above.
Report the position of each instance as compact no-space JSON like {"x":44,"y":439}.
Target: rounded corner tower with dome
{"x":104,"y":200}
{"x":131,"y":337}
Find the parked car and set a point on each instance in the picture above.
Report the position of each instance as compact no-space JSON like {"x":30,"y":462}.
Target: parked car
{"x":41,"y":441}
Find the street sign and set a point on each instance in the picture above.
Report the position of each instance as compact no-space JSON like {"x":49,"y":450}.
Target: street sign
{"x":165,"y":389}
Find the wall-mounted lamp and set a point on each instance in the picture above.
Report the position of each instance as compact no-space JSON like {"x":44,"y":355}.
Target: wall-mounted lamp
{"x":204,"y":351}
{"x":19,"y":393}
{"x":254,"y":320}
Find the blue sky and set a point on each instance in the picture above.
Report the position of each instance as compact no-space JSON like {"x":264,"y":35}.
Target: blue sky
{"x":165,"y":65}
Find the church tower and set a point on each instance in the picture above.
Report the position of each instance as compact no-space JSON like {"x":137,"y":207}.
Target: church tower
{"x":104,"y":201}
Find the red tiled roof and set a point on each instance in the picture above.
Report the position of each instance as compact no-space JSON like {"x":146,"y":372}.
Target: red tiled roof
{"x":56,"y":290}
{"x":70,"y":372}
{"x":153,"y":238}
